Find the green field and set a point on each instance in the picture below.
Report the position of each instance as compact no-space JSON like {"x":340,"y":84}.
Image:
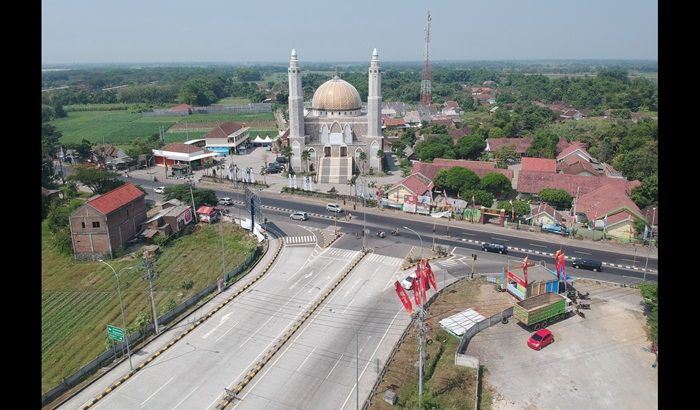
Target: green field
{"x":233,"y":100}
{"x":121,"y":127}
{"x":253,"y":132}
{"x":79,"y":299}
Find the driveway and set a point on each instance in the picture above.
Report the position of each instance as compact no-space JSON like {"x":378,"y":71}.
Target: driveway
{"x":600,"y":361}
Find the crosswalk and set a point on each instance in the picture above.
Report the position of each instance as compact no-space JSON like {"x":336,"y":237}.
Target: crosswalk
{"x":342,"y":252}
{"x":299,"y":240}
{"x":383,"y":259}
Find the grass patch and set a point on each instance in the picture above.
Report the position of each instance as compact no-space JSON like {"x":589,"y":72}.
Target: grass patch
{"x":118,"y":127}
{"x":79,"y":299}
{"x":262,"y":132}
{"x":446,"y":386}
{"x":233,"y":100}
{"x":239,"y":117}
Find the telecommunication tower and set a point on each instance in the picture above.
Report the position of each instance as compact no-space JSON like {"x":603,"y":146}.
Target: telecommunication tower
{"x":426,"y":95}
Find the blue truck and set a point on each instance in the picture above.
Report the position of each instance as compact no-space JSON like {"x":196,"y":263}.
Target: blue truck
{"x":555,"y":228}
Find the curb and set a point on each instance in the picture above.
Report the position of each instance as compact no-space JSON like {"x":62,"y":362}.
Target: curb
{"x":181,"y":335}
{"x":255,"y":368}
{"x":608,"y":283}
{"x":412,"y":264}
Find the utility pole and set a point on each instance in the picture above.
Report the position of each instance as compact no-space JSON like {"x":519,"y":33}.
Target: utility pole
{"x":651,"y":237}
{"x":223,"y":263}
{"x":357,"y":370}
{"x":473,"y":264}
{"x":150,"y":277}
{"x":421,"y":315}
{"x":364,"y":216}
{"x":194,"y":209}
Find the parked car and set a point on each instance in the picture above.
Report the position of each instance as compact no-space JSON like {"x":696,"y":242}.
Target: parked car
{"x":159,"y":190}
{"x":407,"y":282}
{"x":225,"y":201}
{"x":590,"y":264}
{"x":334,"y":208}
{"x":540,"y":339}
{"x":274,"y":168}
{"x":281,"y":160}
{"x":554,"y":228}
{"x":494,"y":247}
{"x":299,"y":216}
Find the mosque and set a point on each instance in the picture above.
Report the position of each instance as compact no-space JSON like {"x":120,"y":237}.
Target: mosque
{"x":335,"y":130}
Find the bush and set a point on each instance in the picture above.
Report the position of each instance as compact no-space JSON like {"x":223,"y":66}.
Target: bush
{"x":187,"y":284}
{"x":170,"y":304}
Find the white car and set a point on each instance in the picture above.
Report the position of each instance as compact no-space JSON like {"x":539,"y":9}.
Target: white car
{"x":159,"y":190}
{"x":225,"y":201}
{"x":299,"y":216}
{"x":334,"y":208}
{"x":407,"y":283}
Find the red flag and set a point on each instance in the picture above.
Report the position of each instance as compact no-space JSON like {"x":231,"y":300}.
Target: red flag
{"x":417,"y":288}
{"x":562,"y":265}
{"x":401,"y":292}
{"x":525,"y":270}
{"x":430,"y":276}
{"x":557,"y":255}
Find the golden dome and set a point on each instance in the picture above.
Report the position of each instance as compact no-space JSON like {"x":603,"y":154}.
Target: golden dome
{"x":336,"y":95}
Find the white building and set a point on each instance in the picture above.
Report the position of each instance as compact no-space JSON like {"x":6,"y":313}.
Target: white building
{"x":335,"y":130}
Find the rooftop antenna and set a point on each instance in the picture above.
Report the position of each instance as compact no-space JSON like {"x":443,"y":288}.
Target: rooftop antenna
{"x":426,"y":95}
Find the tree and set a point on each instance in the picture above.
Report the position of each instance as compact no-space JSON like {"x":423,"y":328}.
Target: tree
{"x":481,"y":197}
{"x":99,"y":181}
{"x":305,"y":155}
{"x":495,"y":183}
{"x":558,"y":198}
{"x":456,"y":179}
{"x":544,"y":145}
{"x":182,"y":192}
{"x":49,"y":146}
{"x":363,"y":159}
{"x":640,"y":163}
{"x":505,"y":153}
{"x":380,"y":157}
{"x":438,"y":146}
{"x":470,"y":147}
{"x":83,"y":149}
{"x":287,"y":153}
{"x":522,"y":208}
{"x":647,"y":193}
{"x":650,"y":296}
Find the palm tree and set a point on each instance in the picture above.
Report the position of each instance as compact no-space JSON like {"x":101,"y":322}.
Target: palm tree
{"x":305,"y":157}
{"x":263,"y":171}
{"x":287,"y":152}
{"x":380,"y":157}
{"x":363,"y":158}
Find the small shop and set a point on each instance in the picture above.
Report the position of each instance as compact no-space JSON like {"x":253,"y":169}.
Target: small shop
{"x":535,"y":281}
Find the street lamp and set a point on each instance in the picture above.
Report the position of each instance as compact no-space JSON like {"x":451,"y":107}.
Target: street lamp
{"x":419,"y":238}
{"x":651,"y":236}
{"x":121,"y":306}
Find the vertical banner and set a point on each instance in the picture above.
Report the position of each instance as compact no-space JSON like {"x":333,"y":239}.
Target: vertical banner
{"x":525,"y":272}
{"x":557,"y":255}
{"x":417,"y":282}
{"x":430,"y":276}
{"x":403,"y":296}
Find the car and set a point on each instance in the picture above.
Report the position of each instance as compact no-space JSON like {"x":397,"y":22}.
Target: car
{"x":494,"y":247}
{"x":334,"y":208}
{"x":555,"y":228}
{"x":225,"y":201}
{"x":274,"y":168}
{"x":407,"y":282}
{"x":540,"y":339}
{"x":590,"y":264}
{"x":299,"y":216}
{"x":281,"y":160}
{"x":159,"y":190}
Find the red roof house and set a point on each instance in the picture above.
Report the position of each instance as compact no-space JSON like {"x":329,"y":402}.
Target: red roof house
{"x":538,"y":165}
{"x":522,"y":144}
{"x":106,"y":222}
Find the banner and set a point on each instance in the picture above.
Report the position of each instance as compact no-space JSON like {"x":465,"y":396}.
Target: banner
{"x":562,"y":266}
{"x":430,"y":276}
{"x":557,"y":255}
{"x":417,"y":285}
{"x":403,"y":296}
{"x":525,"y":270}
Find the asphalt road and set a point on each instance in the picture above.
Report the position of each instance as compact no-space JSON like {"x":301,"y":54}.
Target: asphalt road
{"x":194,"y":372}
{"x":317,"y":368}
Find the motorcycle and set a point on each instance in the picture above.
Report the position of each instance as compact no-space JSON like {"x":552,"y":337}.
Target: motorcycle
{"x":395,"y":232}
{"x":381,"y":234}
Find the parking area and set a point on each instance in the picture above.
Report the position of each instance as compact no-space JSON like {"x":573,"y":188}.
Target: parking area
{"x":600,"y":361}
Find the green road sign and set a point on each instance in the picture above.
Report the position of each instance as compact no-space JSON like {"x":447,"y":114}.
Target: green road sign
{"x":115,"y":333}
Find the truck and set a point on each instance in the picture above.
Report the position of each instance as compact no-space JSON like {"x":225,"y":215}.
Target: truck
{"x":537,"y":311}
{"x":555,"y":228}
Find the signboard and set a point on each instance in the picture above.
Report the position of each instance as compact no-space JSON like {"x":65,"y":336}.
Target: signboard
{"x":409,"y":203}
{"x":252,"y":203}
{"x":423,"y":204}
{"x":185,"y":217}
{"x":115,"y":333}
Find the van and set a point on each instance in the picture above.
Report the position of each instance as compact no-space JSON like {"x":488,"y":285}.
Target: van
{"x":590,"y":264}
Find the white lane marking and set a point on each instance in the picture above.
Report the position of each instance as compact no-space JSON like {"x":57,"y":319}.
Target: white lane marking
{"x":500,"y":239}
{"x":309,"y":275}
{"x":225,"y":333}
{"x":333,"y":368}
{"x":186,"y":397}
{"x":303,"y":265}
{"x":468,"y":234}
{"x":221,"y":322}
{"x":156,"y":392}
{"x":307,"y":358}
{"x":631,"y":260}
{"x":353,"y":298}
{"x":534,"y":244}
{"x":370,"y":358}
{"x":353,"y":287}
{"x":583,"y":253}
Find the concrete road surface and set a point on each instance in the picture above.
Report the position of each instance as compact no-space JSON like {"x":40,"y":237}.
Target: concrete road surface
{"x":194,"y":372}
{"x":317,"y":368}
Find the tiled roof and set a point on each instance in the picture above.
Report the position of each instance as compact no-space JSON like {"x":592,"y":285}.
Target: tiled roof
{"x":224,"y":129}
{"x":603,"y":201}
{"x":521,"y":144}
{"x":538,"y":165}
{"x":183,"y":148}
{"x":575,"y":145}
{"x":418,"y":184}
{"x":544,"y":207}
{"x":458,"y":133}
{"x":181,"y":107}
{"x":451,"y":104}
{"x":205,"y":210}
{"x":576,"y":165}
{"x":535,"y":181}
{"x":480,"y":168}
{"x":116,"y":198}
{"x":393,"y":122}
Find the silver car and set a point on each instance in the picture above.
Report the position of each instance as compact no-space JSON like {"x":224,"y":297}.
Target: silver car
{"x":334,"y":208}
{"x":299,"y":216}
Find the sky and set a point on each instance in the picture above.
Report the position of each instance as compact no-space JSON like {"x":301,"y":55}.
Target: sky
{"x":157,"y":31}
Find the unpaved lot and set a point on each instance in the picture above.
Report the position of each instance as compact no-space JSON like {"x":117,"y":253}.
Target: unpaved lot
{"x":597,"y":362}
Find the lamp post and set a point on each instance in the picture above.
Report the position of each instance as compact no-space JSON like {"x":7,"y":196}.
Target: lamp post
{"x":121,"y":306}
{"x":651,"y":236}
{"x":419,"y":238}
{"x":421,"y":316}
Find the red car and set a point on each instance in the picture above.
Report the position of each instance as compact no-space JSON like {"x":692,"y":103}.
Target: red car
{"x":540,"y":339}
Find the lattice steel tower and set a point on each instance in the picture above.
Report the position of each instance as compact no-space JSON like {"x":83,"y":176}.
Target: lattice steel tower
{"x":426,"y":94}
